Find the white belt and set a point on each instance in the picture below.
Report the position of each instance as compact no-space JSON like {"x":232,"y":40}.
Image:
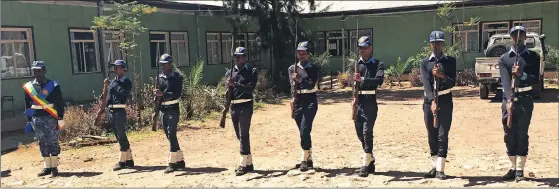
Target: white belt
{"x":39,"y":107}
{"x":306,"y":91}
{"x":170,"y":102}
{"x":117,"y":105}
{"x":523,"y":89}
{"x":240,"y":101}
{"x":367,"y":92}
{"x":440,"y":92}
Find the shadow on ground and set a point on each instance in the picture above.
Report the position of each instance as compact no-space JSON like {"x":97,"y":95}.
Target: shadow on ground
{"x":345,"y":171}
{"x":548,"y":96}
{"x":485,"y":180}
{"x":201,"y":170}
{"x":144,"y":169}
{"x":79,"y":174}
{"x":268,"y":174}
{"x":6,"y":173}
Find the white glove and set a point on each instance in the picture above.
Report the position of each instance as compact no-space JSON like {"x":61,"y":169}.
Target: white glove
{"x":61,"y":123}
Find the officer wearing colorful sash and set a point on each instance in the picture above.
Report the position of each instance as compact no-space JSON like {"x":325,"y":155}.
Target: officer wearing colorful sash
{"x":170,"y":89}
{"x":306,"y":104}
{"x":431,"y":67}
{"x":118,"y":91}
{"x":527,"y":74}
{"x":243,"y":81}
{"x":45,"y":112}
{"x":370,"y":75}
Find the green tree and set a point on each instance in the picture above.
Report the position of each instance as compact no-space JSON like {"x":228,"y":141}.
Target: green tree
{"x":278,"y":20}
{"x":394,"y":72}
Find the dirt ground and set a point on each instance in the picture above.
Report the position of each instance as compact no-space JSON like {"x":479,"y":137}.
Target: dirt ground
{"x":476,"y":157}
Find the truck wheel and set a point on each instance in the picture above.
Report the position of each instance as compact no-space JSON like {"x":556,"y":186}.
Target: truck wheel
{"x":483,"y":91}
{"x":496,"y":50}
{"x":537,"y":91}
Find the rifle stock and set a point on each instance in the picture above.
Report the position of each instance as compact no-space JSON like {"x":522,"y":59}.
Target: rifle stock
{"x":355,"y":93}
{"x":436,"y":100}
{"x":228,"y":97}
{"x":102,"y":103}
{"x":157,"y":103}
{"x":513,"y":85}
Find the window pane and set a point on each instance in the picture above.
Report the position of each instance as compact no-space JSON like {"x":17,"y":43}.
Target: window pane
{"x":90,"y":57}
{"x":320,"y":44}
{"x":473,"y":42}
{"x":112,"y":35}
{"x":226,"y":48}
{"x":211,"y":37}
{"x":183,"y":55}
{"x":77,"y":57}
{"x":7,"y":60}
{"x":14,"y":35}
{"x":82,"y":35}
{"x":175,"y":53}
{"x":157,"y":36}
{"x":213,"y":53}
{"x":178,"y":36}
{"x":153,"y":54}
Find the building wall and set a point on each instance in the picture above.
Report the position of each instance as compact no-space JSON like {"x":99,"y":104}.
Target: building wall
{"x":50,"y":25}
{"x":403,"y":34}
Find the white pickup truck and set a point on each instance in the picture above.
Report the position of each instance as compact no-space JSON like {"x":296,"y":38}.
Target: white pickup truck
{"x":487,"y":68}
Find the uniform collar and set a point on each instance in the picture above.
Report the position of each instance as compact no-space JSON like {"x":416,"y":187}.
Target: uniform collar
{"x":121,"y":79}
{"x":432,"y":57}
{"x":162,"y":75}
{"x":371,"y":60}
{"x":512,"y":52}
{"x":308,"y":65}
{"x":245,"y":67}
{"x":37,"y":82}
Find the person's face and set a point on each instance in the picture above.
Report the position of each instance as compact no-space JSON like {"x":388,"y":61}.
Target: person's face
{"x":366,"y":51}
{"x":239,"y":59}
{"x":119,"y":70}
{"x":437,"y":47}
{"x":39,"y":73}
{"x":303,"y":56}
{"x":519,"y":36}
{"x":167,"y":67}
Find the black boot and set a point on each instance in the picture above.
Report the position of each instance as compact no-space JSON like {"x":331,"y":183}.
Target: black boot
{"x":304,"y":166}
{"x":364,"y":171}
{"x":171,"y":168}
{"x":130,"y":163}
{"x":250,"y":168}
{"x":119,"y":166}
{"x":431,"y":174}
{"x":241,"y":170}
{"x":441,"y":175}
{"x":510,"y":175}
{"x":54,"y":171}
{"x":371,"y":167}
{"x":519,"y":175}
{"x":180,"y":164}
{"x":45,"y":172}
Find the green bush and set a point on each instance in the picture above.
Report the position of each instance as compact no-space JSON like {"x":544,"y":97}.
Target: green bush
{"x":415,"y":77}
{"x":553,"y":57}
{"x":394,"y":72}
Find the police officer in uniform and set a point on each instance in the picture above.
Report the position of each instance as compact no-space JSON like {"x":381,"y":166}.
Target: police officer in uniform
{"x":170,"y":89}
{"x":369,"y":76}
{"x":242,"y":82}
{"x":526,"y":73}
{"x":432,"y":68}
{"x":306,"y":105}
{"x":117,"y":92}
{"x":45,"y":112}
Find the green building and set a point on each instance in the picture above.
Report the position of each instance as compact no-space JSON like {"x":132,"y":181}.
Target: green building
{"x":58,"y":32}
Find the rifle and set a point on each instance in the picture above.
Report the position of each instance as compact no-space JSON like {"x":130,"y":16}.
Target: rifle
{"x":102,"y":103}
{"x":295,"y":83}
{"x":513,"y":82}
{"x":436,"y":99}
{"x":157,"y":103}
{"x":355,"y":84}
{"x":229,"y":92}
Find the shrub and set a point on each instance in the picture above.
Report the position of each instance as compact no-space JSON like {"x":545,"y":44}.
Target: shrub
{"x":395,"y":72}
{"x":343,"y":80}
{"x":79,"y":122}
{"x":553,"y":57}
{"x":466,"y":77}
{"x":415,"y":77}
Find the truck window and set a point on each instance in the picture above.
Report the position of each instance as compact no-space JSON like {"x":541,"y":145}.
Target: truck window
{"x":530,"y":41}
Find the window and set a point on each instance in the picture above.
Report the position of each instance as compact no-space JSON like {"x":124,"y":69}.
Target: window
{"x":213,"y":48}
{"x":159,"y":45}
{"x":335,"y":45}
{"x":491,"y":28}
{"x":320,"y":45}
{"x":179,"y":48}
{"x":467,"y":37}
{"x":253,"y":50}
{"x":354,"y":36}
{"x":219,"y":47}
{"x":530,"y":25}
{"x":16,"y":47}
{"x":84,"y":51}
{"x":111,"y":49}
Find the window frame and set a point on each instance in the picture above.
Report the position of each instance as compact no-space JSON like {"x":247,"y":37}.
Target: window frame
{"x":249,"y":46}
{"x":221,"y":48}
{"x":326,"y":39}
{"x":187,"y":45}
{"x":218,"y":41}
{"x":30,"y":40}
{"x":482,"y":31}
{"x":95,"y":40}
{"x":539,"y":21}
{"x":167,"y":45}
{"x":121,"y":39}
{"x":465,"y":33}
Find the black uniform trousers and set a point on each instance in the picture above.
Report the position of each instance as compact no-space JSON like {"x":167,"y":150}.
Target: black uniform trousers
{"x":367,"y":110}
{"x":305,"y":111}
{"x":117,"y":120}
{"x":169,"y":120}
{"x":516,"y":137}
{"x":241,"y":114}
{"x":438,"y":137}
